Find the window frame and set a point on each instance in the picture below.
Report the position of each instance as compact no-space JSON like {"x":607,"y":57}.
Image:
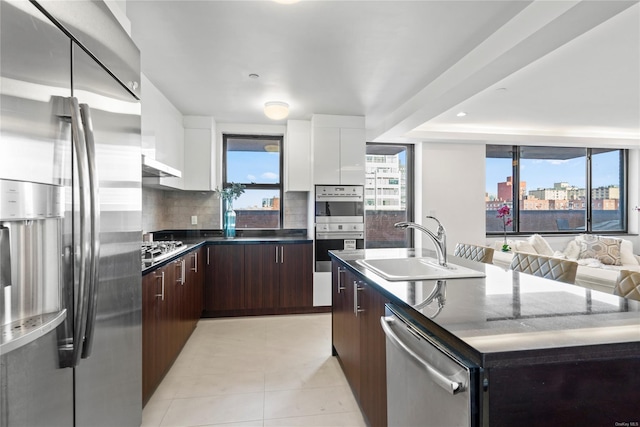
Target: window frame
{"x":589,"y":151}
{"x":253,"y":186}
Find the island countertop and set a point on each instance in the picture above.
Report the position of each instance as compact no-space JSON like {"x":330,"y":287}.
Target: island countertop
{"x":508,"y":312}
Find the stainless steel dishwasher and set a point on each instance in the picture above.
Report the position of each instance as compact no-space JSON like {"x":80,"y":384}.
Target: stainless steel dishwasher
{"x":426,"y":384}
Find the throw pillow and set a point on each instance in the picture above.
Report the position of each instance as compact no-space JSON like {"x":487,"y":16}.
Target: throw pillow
{"x":524,"y":246}
{"x":604,"y":249}
{"x":540,"y":245}
{"x":626,"y":253}
{"x":572,"y":251}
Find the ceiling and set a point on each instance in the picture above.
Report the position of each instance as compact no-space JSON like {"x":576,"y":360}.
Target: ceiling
{"x":541,"y":71}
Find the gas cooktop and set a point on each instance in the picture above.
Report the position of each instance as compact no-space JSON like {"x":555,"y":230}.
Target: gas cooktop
{"x":155,"y":252}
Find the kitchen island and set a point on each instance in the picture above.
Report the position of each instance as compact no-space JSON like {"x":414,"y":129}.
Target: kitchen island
{"x":546,"y":353}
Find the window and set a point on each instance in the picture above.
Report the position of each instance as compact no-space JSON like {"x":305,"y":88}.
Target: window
{"x":388,"y":194}
{"x":558,"y":189}
{"x":256,"y":162}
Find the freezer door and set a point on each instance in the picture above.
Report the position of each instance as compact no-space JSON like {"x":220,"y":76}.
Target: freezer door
{"x":35,"y":146}
{"x":108,"y":378}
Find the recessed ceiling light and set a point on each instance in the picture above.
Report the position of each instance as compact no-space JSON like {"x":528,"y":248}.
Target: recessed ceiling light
{"x":286,"y":1}
{"x":253,"y":76}
{"x":461,"y":114}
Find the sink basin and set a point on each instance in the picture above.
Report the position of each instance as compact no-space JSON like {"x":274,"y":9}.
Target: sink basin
{"x":395,"y":269}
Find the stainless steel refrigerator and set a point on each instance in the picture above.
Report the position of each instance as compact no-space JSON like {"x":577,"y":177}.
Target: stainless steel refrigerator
{"x":70,"y":217}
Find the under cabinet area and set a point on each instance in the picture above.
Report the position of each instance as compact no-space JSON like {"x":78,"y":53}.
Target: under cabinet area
{"x":259,"y":279}
{"x":359,"y":343}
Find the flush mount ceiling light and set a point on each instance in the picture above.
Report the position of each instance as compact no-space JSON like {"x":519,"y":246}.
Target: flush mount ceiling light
{"x":272,"y":148}
{"x":461,"y":114}
{"x":276,"y":110}
{"x":286,"y":1}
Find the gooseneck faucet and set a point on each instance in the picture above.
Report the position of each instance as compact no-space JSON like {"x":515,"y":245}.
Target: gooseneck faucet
{"x":439,"y":240}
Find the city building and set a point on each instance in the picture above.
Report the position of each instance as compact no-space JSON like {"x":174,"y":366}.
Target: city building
{"x":385,"y":183}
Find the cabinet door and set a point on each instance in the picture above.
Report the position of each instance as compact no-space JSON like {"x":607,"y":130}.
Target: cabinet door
{"x":200,"y":265}
{"x":198,"y":156}
{"x":152,"y":285}
{"x":163,"y":333}
{"x":346,"y":326}
{"x":224,"y":289}
{"x":195,"y":277}
{"x":297,"y":160}
{"x":176,"y":296}
{"x":262,"y":275}
{"x":352,"y":156}
{"x":162,"y":127}
{"x":296,"y":275}
{"x":326,"y":158}
{"x":373,"y":371}
{"x":338,"y":308}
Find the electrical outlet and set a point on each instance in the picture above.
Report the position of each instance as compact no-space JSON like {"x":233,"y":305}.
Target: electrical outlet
{"x":194,"y":220}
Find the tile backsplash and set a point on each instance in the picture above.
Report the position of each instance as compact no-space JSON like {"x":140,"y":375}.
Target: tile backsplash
{"x":169,"y":209}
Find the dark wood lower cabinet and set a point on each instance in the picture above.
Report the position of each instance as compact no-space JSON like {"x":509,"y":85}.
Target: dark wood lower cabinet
{"x":171,"y":307}
{"x":224,"y":278}
{"x":261,"y":276}
{"x":359,"y":343}
{"x":296,"y":276}
{"x":259,"y":279}
{"x":373,"y":357}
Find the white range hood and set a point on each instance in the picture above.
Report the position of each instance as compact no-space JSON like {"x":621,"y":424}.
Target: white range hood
{"x":152,"y":168}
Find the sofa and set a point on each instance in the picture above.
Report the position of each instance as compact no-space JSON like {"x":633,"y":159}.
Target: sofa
{"x":599,"y":258}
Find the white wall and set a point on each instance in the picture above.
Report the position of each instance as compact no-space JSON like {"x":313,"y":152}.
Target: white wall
{"x":452,"y":176}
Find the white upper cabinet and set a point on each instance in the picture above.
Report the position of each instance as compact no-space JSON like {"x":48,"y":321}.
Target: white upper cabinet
{"x":297,"y":156}
{"x":162,"y":133}
{"x":199,"y":153}
{"x":339,"y":146}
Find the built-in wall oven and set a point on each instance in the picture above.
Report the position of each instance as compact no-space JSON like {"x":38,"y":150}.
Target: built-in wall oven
{"x":339,"y":221}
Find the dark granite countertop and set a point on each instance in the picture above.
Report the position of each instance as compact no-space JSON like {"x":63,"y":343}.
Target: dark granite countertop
{"x":508,"y":311}
{"x":192,"y":241}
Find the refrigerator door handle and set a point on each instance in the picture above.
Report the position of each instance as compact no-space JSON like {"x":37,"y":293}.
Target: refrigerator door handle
{"x":5,"y":258}
{"x":85,"y":247}
{"x":94,"y":203}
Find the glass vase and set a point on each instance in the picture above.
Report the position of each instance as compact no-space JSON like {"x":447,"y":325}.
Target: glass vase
{"x":229,"y":220}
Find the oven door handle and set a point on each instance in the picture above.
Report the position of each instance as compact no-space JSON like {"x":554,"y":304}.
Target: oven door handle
{"x":339,"y":235}
{"x":439,"y":378}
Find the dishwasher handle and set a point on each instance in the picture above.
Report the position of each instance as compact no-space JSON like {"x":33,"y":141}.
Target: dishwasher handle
{"x":452,"y":387}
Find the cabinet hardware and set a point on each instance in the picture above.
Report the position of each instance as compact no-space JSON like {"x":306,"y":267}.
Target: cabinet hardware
{"x":181,"y":265}
{"x":281,"y":254}
{"x":161,"y":295}
{"x":195,"y":262}
{"x":276,"y":248}
{"x":356,"y":306}
{"x":208,"y":255}
{"x":340,"y":286}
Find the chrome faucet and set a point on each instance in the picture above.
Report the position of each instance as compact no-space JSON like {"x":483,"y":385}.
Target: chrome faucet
{"x":439,"y":240}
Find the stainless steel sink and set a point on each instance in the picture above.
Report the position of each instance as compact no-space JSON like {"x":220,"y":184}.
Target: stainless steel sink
{"x":395,"y":269}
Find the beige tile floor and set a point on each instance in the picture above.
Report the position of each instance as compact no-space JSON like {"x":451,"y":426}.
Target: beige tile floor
{"x":256,"y":371}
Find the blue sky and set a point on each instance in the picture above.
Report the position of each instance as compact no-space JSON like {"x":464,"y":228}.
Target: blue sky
{"x":544,"y":173}
{"x":252,"y":166}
